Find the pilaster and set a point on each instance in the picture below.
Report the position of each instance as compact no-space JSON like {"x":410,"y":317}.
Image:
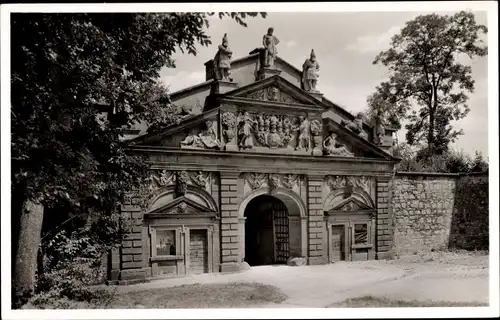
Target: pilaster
{"x":316,"y":223}
{"x":230,"y":224}
{"x":384,"y":223}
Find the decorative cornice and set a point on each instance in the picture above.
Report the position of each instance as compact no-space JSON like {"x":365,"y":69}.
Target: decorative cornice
{"x":242,"y":154}
{"x":276,"y":104}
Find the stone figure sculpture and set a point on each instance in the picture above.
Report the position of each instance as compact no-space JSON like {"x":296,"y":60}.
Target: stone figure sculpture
{"x":222,"y":61}
{"x":192,"y":140}
{"x":229,"y":125}
{"x":379,"y":128}
{"x":356,"y":125}
{"x":331,"y":147}
{"x":209,"y":136}
{"x":270,"y":42}
{"x":310,"y":73}
{"x":245,"y":130}
{"x":304,"y":129}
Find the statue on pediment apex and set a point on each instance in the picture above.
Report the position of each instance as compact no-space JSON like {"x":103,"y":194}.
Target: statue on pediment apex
{"x":222,"y":61}
{"x":270,"y":42}
{"x":310,"y":73}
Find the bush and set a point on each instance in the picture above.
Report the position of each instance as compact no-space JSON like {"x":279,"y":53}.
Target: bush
{"x":450,"y":161}
{"x":72,"y":261}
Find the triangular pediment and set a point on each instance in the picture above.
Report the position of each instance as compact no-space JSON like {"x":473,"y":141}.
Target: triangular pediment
{"x":275,"y":89}
{"x":181,"y":207}
{"x":351,"y":204}
{"x":187,"y":134}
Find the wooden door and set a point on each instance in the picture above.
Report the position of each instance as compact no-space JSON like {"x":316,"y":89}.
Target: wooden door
{"x":198,"y":251}
{"x":281,"y":234}
{"x":338,"y":243}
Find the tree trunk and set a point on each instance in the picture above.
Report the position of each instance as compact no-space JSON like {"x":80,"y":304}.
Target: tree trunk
{"x":432,"y":121}
{"x":27,"y":251}
{"x":430,"y":134}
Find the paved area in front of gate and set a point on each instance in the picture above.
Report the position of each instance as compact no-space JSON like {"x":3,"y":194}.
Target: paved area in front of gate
{"x":436,"y":277}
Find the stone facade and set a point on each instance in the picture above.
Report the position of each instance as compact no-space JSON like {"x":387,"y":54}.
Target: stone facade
{"x":439,"y":211}
{"x":249,"y":179}
{"x":423,"y":207}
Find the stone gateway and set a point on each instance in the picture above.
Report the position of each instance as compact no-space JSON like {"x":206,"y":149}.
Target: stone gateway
{"x":265,"y":173}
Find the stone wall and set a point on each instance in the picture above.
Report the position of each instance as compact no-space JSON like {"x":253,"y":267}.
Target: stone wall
{"x":439,"y":211}
{"x":422,"y":211}
{"x":469,"y":226}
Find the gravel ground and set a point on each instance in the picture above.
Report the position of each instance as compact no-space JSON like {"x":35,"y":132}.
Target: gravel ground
{"x":437,"y":276}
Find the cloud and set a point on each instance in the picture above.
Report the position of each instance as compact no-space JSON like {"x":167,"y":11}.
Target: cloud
{"x":182,"y":79}
{"x":373,"y":43}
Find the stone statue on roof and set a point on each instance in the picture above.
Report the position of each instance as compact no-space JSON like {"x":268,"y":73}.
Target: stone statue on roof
{"x":270,"y":42}
{"x":310,"y":73}
{"x":222,"y":61}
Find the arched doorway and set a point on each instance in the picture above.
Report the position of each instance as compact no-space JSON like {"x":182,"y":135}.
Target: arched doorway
{"x":266,"y":231}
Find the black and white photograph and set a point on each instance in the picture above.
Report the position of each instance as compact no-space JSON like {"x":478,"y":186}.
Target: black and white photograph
{"x":250,"y":160}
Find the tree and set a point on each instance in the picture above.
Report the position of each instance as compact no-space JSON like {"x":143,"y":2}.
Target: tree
{"x":428,"y":84}
{"x":64,"y":155}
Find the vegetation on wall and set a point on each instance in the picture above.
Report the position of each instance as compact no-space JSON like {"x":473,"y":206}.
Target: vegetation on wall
{"x":451,"y":161}
{"x":470,"y":222}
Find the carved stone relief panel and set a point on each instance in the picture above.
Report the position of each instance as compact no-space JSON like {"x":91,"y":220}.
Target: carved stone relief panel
{"x":201,"y":179}
{"x":228,"y":120}
{"x":275,"y":131}
{"x":271,"y":93}
{"x":265,"y":130}
{"x":204,"y":136}
{"x":332,"y":147}
{"x":365,"y":183}
{"x":254,"y":181}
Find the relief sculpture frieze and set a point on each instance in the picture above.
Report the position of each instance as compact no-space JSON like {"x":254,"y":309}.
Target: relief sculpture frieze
{"x":203,"y":138}
{"x":279,"y":131}
{"x":272,"y":180}
{"x":272,"y":94}
{"x":362,"y":182}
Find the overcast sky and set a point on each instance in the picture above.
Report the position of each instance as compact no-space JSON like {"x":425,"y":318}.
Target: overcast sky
{"x":345,"y":45}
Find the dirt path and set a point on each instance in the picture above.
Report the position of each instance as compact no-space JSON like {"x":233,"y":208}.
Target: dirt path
{"x":437,"y":277}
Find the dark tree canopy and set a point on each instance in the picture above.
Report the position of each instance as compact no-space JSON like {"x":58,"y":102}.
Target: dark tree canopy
{"x":66,"y":68}
{"x":428,"y":85}
{"x":63,"y":66}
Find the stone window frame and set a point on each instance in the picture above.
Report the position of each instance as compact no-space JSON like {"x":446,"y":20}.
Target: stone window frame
{"x":368,"y":242}
{"x":179,"y":252}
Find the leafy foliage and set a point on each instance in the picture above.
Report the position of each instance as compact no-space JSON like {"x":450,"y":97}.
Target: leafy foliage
{"x":450,"y":161}
{"x":428,"y":84}
{"x":67,"y":74}
{"x":469,"y":226}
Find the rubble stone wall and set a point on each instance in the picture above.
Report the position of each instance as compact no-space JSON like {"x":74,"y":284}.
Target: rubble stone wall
{"x":439,"y":211}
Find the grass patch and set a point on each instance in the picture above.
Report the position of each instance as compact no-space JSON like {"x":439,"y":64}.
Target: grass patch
{"x":231,"y":295}
{"x":375,"y":302}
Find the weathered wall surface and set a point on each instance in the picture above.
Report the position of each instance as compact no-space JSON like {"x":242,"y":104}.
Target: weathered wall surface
{"x":439,"y":211}
{"x":422,"y":211}
{"x":469,"y":226}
